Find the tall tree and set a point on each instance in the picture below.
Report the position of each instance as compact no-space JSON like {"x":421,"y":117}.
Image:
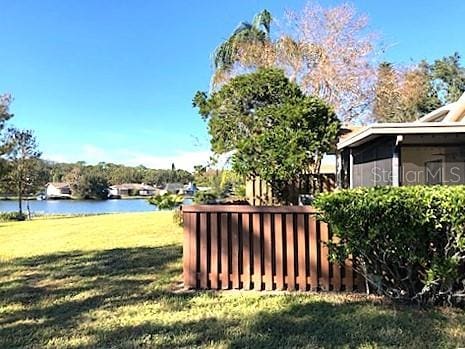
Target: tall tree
{"x":449,"y":78}
{"x":22,"y":159}
{"x":406,"y":94}
{"x":387,"y":94}
{"x":403,"y":94}
{"x":226,"y":54}
{"x":328,"y":52}
{"x":5,"y":115}
{"x":276,"y":132}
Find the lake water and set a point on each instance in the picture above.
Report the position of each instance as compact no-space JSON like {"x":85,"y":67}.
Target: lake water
{"x":81,"y":206}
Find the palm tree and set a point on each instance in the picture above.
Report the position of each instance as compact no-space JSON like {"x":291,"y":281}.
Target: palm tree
{"x":225,"y":55}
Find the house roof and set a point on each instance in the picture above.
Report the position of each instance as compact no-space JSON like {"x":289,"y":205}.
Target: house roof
{"x":132,"y":186}
{"x":376,"y":130}
{"x":58,"y":185}
{"x":447,"y":119}
{"x":174,"y":186}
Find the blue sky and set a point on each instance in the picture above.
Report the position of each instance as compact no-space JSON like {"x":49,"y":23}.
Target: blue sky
{"x":113,"y":80}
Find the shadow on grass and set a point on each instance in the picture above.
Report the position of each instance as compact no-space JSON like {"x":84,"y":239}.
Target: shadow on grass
{"x":318,"y":324}
{"x":44,"y":297}
{"x":49,"y":300}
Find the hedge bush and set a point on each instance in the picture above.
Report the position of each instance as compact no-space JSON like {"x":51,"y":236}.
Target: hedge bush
{"x":409,"y":242}
{"x":206,"y":197}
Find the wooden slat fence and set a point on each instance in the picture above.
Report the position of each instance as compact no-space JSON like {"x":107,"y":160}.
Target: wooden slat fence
{"x":259,"y":193}
{"x":261,"y":248}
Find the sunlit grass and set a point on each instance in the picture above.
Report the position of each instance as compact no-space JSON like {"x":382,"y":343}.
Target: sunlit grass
{"x":43,"y":236}
{"x":114,"y":281}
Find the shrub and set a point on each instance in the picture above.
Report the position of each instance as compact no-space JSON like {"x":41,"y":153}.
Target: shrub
{"x":166,"y":201}
{"x":205,"y":197}
{"x":11,"y":216}
{"x":409,"y":242}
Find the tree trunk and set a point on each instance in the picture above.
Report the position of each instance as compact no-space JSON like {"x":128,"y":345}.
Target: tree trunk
{"x":29,"y":215}
{"x":20,"y":200}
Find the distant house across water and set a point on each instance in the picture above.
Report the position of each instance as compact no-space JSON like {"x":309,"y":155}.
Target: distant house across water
{"x":173,"y":188}
{"x":127,"y":189}
{"x":58,"y":190}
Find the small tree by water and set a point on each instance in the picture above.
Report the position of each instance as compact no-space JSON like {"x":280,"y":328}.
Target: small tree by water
{"x":22,"y":159}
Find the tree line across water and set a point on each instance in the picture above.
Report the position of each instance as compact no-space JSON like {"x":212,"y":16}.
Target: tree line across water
{"x":88,"y":181}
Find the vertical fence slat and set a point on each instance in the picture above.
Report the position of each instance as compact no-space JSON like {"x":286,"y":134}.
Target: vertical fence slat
{"x":336,"y":271}
{"x":246,"y":251}
{"x":290,"y":251}
{"x":279,"y":251}
{"x":224,"y":251}
{"x":257,"y":259}
{"x":301,"y":252}
{"x":203,"y":251}
{"x":214,"y":250}
{"x":324,"y":237}
{"x":349,"y":279}
{"x":235,"y":249}
{"x":194,"y":247}
{"x":360,"y":282}
{"x":267,"y":248}
{"x":313,"y":245}
{"x":186,"y":250}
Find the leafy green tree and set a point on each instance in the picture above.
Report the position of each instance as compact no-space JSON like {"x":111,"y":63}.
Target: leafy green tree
{"x":22,"y":159}
{"x":449,"y":78}
{"x":430,"y":99}
{"x":90,"y":186}
{"x":161,"y":177}
{"x":231,"y":112}
{"x":276,"y":131}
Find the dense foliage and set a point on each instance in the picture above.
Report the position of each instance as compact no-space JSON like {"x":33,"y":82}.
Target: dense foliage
{"x":231,"y":111}
{"x":409,"y":93}
{"x":409,"y":242}
{"x":276,"y":131}
{"x":166,"y":201}
{"x":48,"y":171}
{"x":90,"y":186}
{"x":118,"y":174}
{"x":206,"y":197}
{"x":11,"y":216}
{"x":448,"y":78}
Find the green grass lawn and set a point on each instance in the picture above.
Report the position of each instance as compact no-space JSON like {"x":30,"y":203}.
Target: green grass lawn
{"x":114,"y":281}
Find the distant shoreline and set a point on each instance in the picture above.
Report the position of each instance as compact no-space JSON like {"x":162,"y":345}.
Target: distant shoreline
{"x":34,"y":198}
